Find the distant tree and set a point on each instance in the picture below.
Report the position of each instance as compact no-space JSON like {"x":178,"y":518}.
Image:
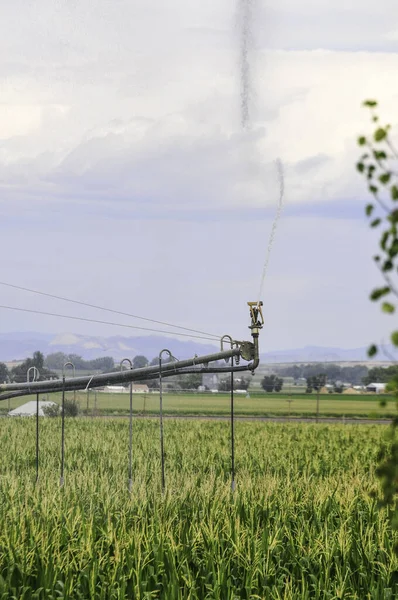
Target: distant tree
{"x":56,"y":360}
{"x":278,"y":384}
{"x":381,"y":375}
{"x":268,"y":383}
{"x":140,"y":361}
{"x":154,"y":362}
{"x":105,"y":364}
{"x":316,"y":382}
{"x":190,"y":381}
{"x":319,"y":381}
{"x":19,"y":374}
{"x":3,"y":373}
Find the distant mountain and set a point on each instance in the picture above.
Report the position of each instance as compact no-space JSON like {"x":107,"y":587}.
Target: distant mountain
{"x":20,"y":345}
{"x":321,"y":354}
{"x":16,"y":346}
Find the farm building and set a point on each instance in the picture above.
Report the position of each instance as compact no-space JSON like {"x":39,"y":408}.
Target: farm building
{"x":114,"y":389}
{"x":140,"y":388}
{"x":376,"y":388}
{"x":29,"y":409}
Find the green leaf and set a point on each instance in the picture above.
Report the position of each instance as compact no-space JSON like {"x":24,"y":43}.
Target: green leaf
{"x":370,"y":103}
{"x":376,"y":258}
{"x":379,"y":292}
{"x":360,"y":167}
{"x":380,"y":154}
{"x":375,"y":119}
{"x":384,"y":239}
{"x":375,"y":222}
{"x":385,"y":178}
{"x":380,"y":134}
{"x":393,"y":251}
{"x":387,"y":307}
{"x":369,"y":209}
{"x":394,"y":338}
{"x":394,"y":192}
{"x":373,"y":189}
{"x":362,"y":140}
{"x":372,"y":350}
{"x":387,"y":266}
{"x":393,"y":217}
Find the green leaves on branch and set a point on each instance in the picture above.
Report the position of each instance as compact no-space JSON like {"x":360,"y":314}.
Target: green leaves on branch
{"x":380,"y":134}
{"x":370,"y":103}
{"x":385,"y":178}
{"x":387,"y":307}
{"x":373,"y":189}
{"x":369,"y":209}
{"x":394,"y":338}
{"x":379,"y":293}
{"x":372,"y":350}
{"x":394,"y":192}
{"x":379,"y":154}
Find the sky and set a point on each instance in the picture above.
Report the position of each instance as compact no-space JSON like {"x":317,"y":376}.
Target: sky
{"x":127,"y":180}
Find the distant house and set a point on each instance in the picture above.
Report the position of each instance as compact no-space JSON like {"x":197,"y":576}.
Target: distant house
{"x":376,"y":388}
{"x":140,"y":388}
{"x":114,"y":389}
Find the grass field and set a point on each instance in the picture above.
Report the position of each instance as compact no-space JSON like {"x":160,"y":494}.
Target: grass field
{"x":219,"y":404}
{"x":301,"y":524}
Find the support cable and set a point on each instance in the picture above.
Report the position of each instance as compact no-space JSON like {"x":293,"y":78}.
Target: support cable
{"x":111,"y":310}
{"x":50,"y":314}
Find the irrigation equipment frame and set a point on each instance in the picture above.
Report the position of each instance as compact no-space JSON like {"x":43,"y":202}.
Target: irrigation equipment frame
{"x":245,"y":350}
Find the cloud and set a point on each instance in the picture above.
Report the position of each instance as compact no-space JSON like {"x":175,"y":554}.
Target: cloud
{"x":124,"y":173}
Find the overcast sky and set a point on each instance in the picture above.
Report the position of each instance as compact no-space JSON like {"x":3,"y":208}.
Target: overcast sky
{"x":126,"y":178}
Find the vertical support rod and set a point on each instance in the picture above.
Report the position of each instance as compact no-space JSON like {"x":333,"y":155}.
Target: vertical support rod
{"x":61,"y":481}
{"x":130,"y":426}
{"x":37,"y":438}
{"x":161,"y":420}
{"x":131,"y":439}
{"x":232,"y":433}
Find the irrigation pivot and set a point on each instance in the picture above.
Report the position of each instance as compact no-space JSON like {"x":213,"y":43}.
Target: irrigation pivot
{"x":245,"y":350}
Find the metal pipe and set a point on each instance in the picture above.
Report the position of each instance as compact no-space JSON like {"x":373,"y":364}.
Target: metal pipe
{"x":187,"y":370}
{"x":247,"y":350}
{"x":116,"y":377}
{"x":130,"y":427}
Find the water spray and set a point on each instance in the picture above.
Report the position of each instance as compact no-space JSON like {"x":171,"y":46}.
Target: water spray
{"x":279,"y":166}
{"x":245,"y":20}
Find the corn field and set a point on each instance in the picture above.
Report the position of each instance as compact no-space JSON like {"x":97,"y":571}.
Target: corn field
{"x":301,"y":524}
